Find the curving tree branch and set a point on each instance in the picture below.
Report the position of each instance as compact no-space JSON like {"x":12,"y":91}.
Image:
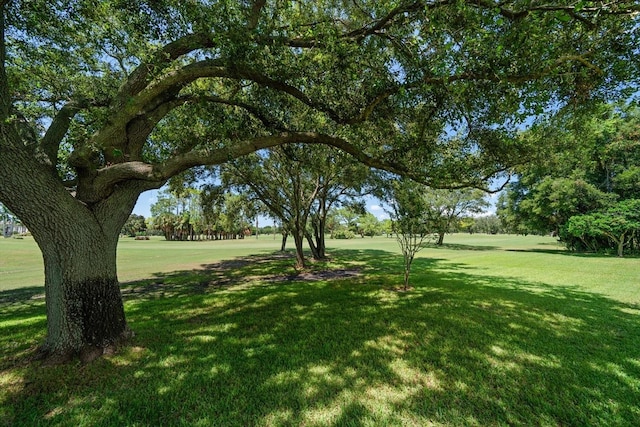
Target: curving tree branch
{"x":254,"y":14}
{"x":50,"y":142}
{"x":144,"y":73}
{"x":268,"y":122}
{"x":134,"y":170}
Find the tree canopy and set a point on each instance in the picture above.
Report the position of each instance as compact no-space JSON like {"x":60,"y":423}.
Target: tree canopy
{"x":448,"y":206}
{"x":101,"y":101}
{"x":592,"y":167}
{"x":144,"y":90}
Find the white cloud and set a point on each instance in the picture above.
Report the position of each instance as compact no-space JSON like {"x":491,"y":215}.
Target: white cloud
{"x":379,"y":212}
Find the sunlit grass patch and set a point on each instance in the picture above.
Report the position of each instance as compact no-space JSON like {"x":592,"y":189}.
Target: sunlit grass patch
{"x":255,"y":343}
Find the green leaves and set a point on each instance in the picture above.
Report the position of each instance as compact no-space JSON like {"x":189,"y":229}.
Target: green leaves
{"x":618,"y":224}
{"x":432,"y":88}
{"x":563,"y":16}
{"x":586,"y":163}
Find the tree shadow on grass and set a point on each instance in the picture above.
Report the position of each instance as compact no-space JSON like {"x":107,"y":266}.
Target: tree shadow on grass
{"x":22,"y":321}
{"x":566,"y":252}
{"x":276,"y":267}
{"x":462,"y":348}
{"x":21,"y":295}
{"x":461,"y":247}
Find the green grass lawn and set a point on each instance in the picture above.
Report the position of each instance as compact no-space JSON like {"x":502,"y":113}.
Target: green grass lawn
{"x":498,"y":330}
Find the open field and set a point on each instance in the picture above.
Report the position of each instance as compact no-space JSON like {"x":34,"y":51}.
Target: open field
{"x":498,"y":330}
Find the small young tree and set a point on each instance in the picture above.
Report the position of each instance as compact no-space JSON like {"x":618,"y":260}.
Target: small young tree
{"x":409,"y":215}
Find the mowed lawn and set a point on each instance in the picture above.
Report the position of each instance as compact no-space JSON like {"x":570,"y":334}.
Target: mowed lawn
{"x":497,"y":330}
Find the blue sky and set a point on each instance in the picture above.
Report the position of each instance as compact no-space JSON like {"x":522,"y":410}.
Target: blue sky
{"x":146,"y":199}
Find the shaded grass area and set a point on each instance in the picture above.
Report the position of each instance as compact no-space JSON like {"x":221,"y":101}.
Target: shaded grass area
{"x":247,"y":342}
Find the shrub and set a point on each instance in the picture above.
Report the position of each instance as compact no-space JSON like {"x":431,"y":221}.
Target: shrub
{"x":344,"y":234}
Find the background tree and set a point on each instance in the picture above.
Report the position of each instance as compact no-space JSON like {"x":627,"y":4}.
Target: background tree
{"x":490,"y":224}
{"x":212,"y":200}
{"x":98,"y":104}
{"x":596,"y":162}
{"x":387,"y":226}
{"x":342,"y":182}
{"x":178,"y":214}
{"x":280,"y":179}
{"x":165,"y":213}
{"x":349,"y":216}
{"x":619,"y":225}
{"x":237,"y":216}
{"x":448,"y":206}
{"x":333,"y":222}
{"x":186,"y":213}
{"x":9,"y":223}
{"x":554,"y":200}
{"x":347,"y":220}
{"x":299,"y":186}
{"x":135,"y":225}
{"x":369,"y":225}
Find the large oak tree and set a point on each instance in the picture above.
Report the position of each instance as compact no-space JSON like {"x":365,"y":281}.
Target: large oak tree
{"x":100,"y":101}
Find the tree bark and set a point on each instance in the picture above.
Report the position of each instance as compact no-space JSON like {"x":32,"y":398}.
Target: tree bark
{"x":312,"y":246}
{"x":620,"y":243}
{"x":85,"y":313}
{"x":408,"y":260}
{"x":319,"y":230}
{"x":298,"y":238}
{"x":440,"y":238}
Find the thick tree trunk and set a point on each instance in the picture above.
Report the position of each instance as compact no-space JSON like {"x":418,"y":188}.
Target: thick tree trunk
{"x":440,"y":238}
{"x":85,"y":313}
{"x":78,"y":241}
